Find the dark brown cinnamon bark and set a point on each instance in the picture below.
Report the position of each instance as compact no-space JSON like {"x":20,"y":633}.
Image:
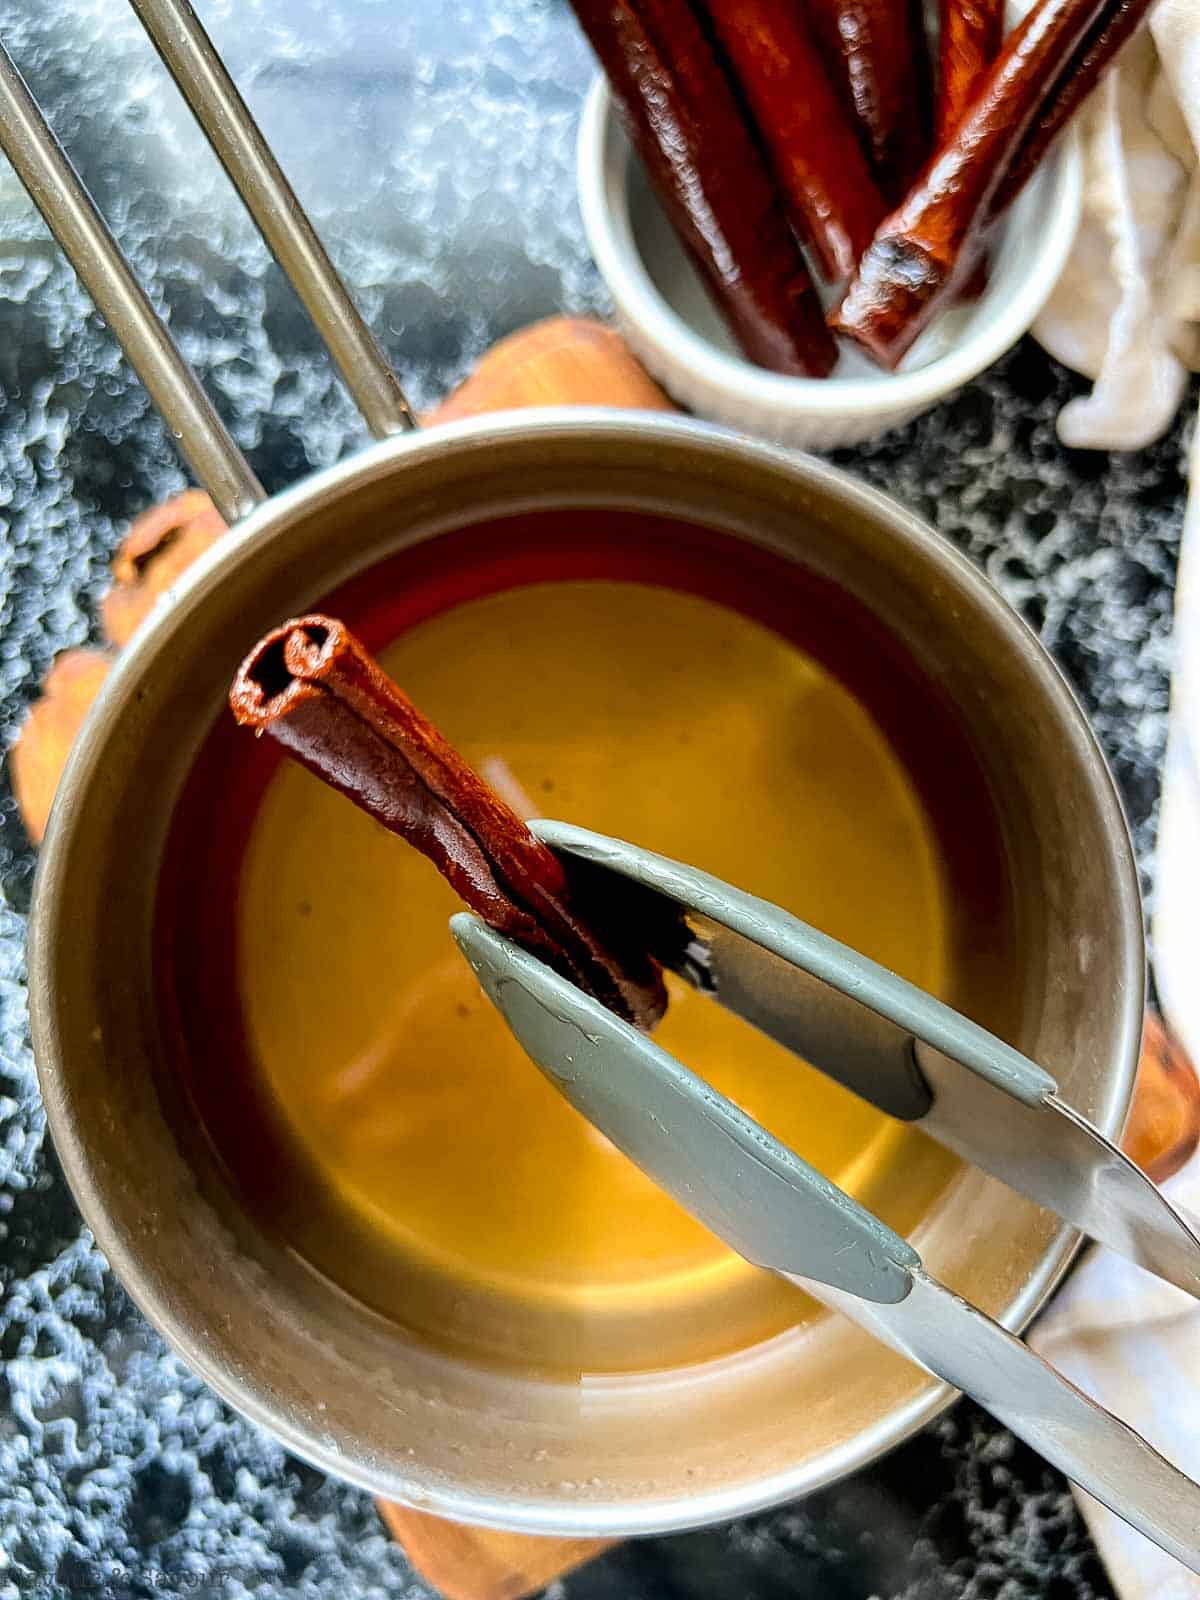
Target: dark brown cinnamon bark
{"x":683,"y":117}
{"x":877,"y":58}
{"x":1090,"y":60}
{"x":311,"y":685}
{"x":833,"y":201}
{"x":929,"y":246}
{"x":970,"y":39}
{"x":971,"y":35}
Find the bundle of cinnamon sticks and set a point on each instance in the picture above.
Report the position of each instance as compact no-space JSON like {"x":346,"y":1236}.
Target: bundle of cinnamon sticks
{"x":789,"y":141}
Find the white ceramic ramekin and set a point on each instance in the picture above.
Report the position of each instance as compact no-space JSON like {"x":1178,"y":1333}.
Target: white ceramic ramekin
{"x":670,"y":322}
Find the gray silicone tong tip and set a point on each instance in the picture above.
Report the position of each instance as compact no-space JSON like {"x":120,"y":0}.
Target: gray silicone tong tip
{"x":905,"y":1052}
{"x":771,"y":1207}
{"x":747,"y":1187}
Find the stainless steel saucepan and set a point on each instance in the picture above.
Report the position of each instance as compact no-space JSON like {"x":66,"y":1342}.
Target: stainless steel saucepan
{"x":336,"y":1383}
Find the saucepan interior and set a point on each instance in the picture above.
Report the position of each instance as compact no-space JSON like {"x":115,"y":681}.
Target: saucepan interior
{"x":346,"y":1388}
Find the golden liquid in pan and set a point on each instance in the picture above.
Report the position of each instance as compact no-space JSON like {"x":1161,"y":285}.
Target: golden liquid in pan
{"x":447,"y":1182}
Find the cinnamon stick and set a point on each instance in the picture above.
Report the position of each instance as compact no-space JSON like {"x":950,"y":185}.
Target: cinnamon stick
{"x":877,"y":58}
{"x":683,"y":117}
{"x":1090,"y":60}
{"x":312,"y":686}
{"x":931,"y":243}
{"x":832,"y":200}
{"x":970,"y":39}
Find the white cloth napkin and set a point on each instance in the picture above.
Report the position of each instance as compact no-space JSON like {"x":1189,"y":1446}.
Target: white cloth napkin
{"x":1133,"y":1343}
{"x":1126,"y":311}
{"x":1127,"y":314}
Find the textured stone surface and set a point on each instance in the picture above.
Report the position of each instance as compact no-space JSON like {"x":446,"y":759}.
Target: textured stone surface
{"x":434,"y":143}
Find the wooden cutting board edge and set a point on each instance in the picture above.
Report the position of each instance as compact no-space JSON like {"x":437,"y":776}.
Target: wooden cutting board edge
{"x":466,"y":1563}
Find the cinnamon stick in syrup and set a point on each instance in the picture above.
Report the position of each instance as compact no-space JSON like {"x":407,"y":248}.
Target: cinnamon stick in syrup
{"x":683,"y":117}
{"x":312,"y":686}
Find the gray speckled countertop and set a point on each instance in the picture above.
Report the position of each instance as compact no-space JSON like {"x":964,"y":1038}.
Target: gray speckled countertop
{"x":434,"y":144}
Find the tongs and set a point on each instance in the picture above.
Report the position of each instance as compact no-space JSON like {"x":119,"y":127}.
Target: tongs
{"x":906,"y":1053}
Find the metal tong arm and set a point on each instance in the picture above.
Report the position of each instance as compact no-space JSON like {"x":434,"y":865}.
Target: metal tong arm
{"x":856,"y":1020}
{"x":771,"y":1207}
{"x":750,"y":1189}
{"x":907,"y":1053}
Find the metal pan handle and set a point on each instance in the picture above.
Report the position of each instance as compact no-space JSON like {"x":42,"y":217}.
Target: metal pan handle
{"x":192,"y":60}
{"x":55,"y":188}
{"x":43,"y":166}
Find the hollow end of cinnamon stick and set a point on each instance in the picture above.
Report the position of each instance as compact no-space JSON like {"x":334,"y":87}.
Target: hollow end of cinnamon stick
{"x":283,"y":668}
{"x":309,"y":649}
